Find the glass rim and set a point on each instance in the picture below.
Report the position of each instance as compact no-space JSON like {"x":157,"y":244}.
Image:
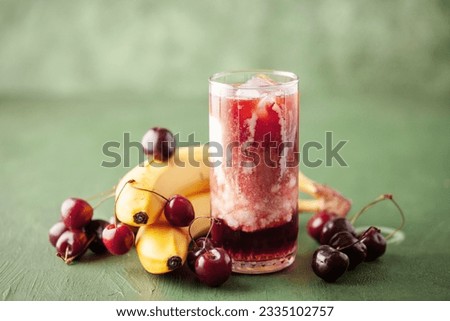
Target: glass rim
{"x":213,"y":80}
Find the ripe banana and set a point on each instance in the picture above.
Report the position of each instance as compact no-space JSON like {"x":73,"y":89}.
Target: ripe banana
{"x":162,"y":248}
{"x":202,"y":208}
{"x":185,"y":173}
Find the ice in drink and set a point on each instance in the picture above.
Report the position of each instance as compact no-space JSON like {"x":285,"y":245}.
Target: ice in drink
{"x":254,"y":118}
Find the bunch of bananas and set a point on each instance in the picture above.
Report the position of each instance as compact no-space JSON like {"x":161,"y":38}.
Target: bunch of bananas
{"x":162,"y":247}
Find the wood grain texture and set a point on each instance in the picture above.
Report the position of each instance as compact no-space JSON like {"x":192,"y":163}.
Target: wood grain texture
{"x":52,"y":149}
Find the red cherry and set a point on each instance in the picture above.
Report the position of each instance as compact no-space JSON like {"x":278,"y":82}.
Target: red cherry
{"x":316,"y":223}
{"x":179,"y":211}
{"x":348,"y":244}
{"x":329,"y":263}
{"x":213,"y":267}
{"x":95,"y":230}
{"x":118,"y":239}
{"x":55,"y":232}
{"x":200,"y":246}
{"x":71,"y":245}
{"x":375,"y":243}
{"x":76,"y":213}
{"x":158,"y":142}
{"x":334,"y":226}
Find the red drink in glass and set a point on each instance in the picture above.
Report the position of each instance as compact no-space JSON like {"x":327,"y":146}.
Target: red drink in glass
{"x":254,"y":153}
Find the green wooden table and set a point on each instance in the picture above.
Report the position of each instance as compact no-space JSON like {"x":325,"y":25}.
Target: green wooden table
{"x":51,"y":148}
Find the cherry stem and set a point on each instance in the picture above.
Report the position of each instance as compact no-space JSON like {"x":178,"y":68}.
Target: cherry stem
{"x":403,"y":219}
{"x":65,"y":255}
{"x":117,"y":198}
{"x":150,"y":191}
{"x":209,"y":232}
{"x":377,"y":200}
{"x":350,"y":245}
{"x":192,"y":223}
{"x":69,"y":260}
{"x":107,"y":192}
{"x":107,"y":197}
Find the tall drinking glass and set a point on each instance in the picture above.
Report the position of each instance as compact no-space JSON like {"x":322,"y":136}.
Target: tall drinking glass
{"x":253,"y":129}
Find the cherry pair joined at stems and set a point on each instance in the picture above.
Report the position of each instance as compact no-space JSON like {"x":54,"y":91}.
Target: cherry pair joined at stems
{"x":212,"y":265}
{"x":341,"y":248}
{"x":178,"y":210}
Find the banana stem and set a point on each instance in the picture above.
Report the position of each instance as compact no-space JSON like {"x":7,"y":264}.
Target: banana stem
{"x":306,"y":185}
{"x":365,"y":208}
{"x":314,"y":205}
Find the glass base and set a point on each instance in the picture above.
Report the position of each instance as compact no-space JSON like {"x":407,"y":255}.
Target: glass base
{"x":262,"y":267}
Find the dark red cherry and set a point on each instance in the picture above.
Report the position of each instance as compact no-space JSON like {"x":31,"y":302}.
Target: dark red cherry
{"x":71,"y":245}
{"x":158,"y":142}
{"x":179,"y":211}
{"x":347,"y":243}
{"x":316,"y":223}
{"x":333,"y":226}
{"x":213,"y":267}
{"x":374,"y":242}
{"x":94,"y":230}
{"x":200,"y":246}
{"x":55,"y":232}
{"x":118,"y":239}
{"x":76,"y":213}
{"x":329,"y":263}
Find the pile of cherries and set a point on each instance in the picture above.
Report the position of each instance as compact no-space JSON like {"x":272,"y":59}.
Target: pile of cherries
{"x":77,"y":232}
{"x":341,"y":248}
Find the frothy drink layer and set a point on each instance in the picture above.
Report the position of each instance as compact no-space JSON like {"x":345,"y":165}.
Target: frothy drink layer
{"x":255,"y":187}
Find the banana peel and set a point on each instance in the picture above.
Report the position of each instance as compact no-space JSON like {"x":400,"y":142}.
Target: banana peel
{"x":324,"y":198}
{"x":161,"y":248}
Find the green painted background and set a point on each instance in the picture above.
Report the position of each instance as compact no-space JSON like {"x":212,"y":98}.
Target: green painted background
{"x":76,"y":74}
